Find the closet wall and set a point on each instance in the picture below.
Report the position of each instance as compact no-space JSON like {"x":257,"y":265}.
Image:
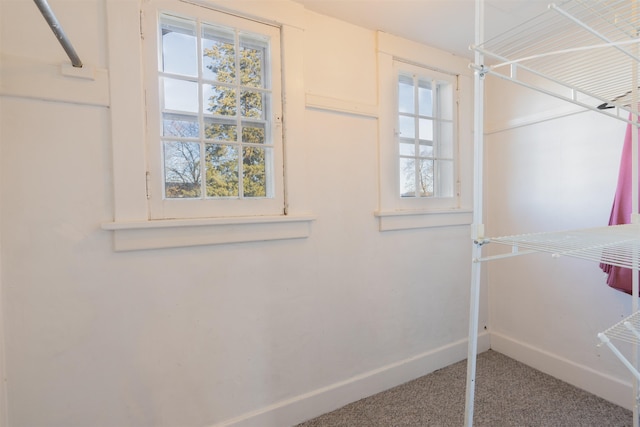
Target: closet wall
{"x":241,"y":334}
{"x":551,"y":169}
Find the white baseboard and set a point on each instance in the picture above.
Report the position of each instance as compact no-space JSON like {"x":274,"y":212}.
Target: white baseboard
{"x":317,"y":402}
{"x":583,"y":377}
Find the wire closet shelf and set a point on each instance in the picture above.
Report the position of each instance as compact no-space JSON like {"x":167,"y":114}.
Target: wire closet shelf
{"x":582,"y":51}
{"x":617,"y":245}
{"x":627,"y":330}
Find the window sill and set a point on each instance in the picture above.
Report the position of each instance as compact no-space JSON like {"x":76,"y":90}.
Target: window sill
{"x":160,"y":234}
{"x":405,"y":220}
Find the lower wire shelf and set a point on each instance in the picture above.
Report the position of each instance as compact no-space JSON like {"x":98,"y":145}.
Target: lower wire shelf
{"x":615,"y":245}
{"x":627,"y":330}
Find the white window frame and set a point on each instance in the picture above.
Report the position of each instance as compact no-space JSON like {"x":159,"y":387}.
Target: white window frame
{"x":162,"y":207}
{"x":397,"y":55}
{"x":417,"y":73}
{"x":133,"y":226}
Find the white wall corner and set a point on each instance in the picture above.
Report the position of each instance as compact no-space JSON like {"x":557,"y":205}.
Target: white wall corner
{"x":4,"y":415}
{"x":602,"y":385}
{"x":4,"y":408}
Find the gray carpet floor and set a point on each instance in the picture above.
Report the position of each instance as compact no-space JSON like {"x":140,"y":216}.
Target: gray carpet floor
{"x":508,"y":393}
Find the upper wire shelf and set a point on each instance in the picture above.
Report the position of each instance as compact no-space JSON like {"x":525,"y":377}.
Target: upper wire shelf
{"x":585,"y":48}
{"x":617,"y":245}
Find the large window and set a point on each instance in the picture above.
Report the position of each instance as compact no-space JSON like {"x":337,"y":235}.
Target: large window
{"x":215,"y":137}
{"x":426,"y":138}
{"x":193,"y":165}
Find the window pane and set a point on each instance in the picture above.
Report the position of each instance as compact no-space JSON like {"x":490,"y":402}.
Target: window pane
{"x":221,"y":130}
{"x":406,"y":102}
{"x":407,"y":127}
{"x":446,"y":140}
{"x":219,"y":100}
{"x":179,"y":46}
{"x":407,"y":147}
{"x":182,"y":169}
{"x":425,"y":177}
{"x":253,"y":133}
{"x":218,"y":54}
{"x":253,"y":104}
{"x":445,"y":100}
{"x":426,"y":149}
{"x":252,"y":61}
{"x":445,"y":178}
{"x":222,"y":170}
{"x":425,"y":101}
{"x":180,"y":125}
{"x":407,"y":177}
{"x":426,"y":129}
{"x":180,"y":95}
{"x":254,"y":184}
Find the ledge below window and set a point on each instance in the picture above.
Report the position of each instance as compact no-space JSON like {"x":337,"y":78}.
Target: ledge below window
{"x":405,"y":220}
{"x":158,"y":234}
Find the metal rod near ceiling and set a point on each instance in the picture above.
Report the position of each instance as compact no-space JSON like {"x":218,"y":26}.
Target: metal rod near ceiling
{"x":51,"y":19}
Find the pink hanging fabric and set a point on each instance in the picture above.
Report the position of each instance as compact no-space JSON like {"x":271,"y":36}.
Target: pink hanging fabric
{"x":620,"y":278}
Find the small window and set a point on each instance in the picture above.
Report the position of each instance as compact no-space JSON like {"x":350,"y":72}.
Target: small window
{"x":425,"y":137}
{"x":426,"y":143}
{"x":215,"y":137}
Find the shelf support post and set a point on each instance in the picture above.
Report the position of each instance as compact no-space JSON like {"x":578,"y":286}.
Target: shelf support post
{"x":478,"y":226}
{"x":635,"y":281}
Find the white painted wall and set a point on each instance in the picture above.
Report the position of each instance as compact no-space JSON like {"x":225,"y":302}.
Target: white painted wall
{"x":549,"y":176}
{"x":241,"y":334}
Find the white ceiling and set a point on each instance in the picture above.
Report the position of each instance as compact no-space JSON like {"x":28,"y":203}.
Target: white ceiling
{"x":445,"y":24}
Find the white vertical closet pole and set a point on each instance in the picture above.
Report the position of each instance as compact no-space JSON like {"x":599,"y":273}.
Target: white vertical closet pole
{"x":634,"y":151}
{"x":634,"y":219}
{"x":477,"y":227}
{"x":634,"y":211}
{"x":478,"y":126}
